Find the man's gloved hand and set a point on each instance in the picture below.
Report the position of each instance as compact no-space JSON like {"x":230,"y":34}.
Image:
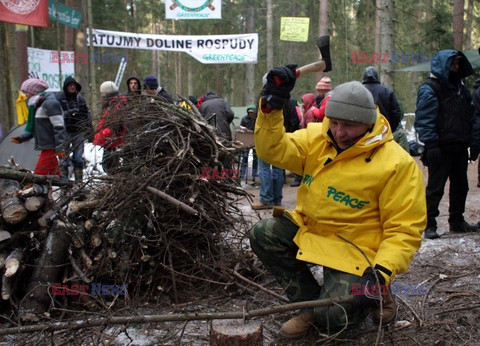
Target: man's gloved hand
{"x":280,"y":81}
{"x":474,"y":151}
{"x":434,"y":153}
{"x":370,"y":293}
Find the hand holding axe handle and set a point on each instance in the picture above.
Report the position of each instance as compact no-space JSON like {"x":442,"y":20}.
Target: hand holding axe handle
{"x":325,"y":65}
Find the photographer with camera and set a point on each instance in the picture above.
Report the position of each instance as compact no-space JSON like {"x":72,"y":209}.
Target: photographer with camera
{"x":78,"y":123}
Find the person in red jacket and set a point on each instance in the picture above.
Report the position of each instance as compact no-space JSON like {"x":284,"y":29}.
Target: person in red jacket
{"x":110,"y":130}
{"x":310,"y":111}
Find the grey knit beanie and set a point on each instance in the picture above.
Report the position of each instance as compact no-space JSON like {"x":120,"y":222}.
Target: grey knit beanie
{"x":351,"y":101}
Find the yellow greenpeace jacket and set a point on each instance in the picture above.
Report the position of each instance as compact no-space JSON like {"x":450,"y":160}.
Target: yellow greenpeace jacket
{"x":371,"y":194}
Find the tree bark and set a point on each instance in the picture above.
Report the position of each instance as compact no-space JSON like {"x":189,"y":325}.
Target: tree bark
{"x":458,"y":24}
{"x":468,"y":26}
{"x":269,"y":35}
{"x":387,"y":40}
{"x":250,"y":68}
{"x":27,"y":177}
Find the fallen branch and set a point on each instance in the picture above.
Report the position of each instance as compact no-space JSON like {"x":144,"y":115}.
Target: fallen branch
{"x":79,"y":324}
{"x":172,"y":200}
{"x":27,"y":177}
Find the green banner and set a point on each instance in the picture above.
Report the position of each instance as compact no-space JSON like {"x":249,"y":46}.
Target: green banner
{"x":66,"y":15}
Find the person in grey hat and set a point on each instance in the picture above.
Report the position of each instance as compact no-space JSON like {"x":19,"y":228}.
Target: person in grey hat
{"x":360,"y":208}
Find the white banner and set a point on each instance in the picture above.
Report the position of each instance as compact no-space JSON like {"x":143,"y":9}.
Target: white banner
{"x":193,"y":9}
{"x":214,"y":49}
{"x":43,"y":64}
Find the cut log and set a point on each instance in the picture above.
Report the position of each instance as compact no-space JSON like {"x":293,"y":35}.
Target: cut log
{"x":236,"y":333}
{"x":13,"y":261}
{"x":4,"y":235}
{"x":49,"y":270}
{"x":34,"y":190}
{"x":78,"y":206}
{"x":13,"y":211}
{"x":8,"y":187}
{"x":35,"y":203}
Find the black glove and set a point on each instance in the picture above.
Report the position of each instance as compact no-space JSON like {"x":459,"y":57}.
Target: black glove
{"x":370,"y":293}
{"x":474,"y":151}
{"x":434,"y":154}
{"x":280,"y":81}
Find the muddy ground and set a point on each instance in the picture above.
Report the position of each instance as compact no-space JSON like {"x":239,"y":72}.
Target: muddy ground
{"x":448,"y":313}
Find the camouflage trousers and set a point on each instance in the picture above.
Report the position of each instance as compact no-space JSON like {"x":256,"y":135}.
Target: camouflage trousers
{"x":272,"y":241}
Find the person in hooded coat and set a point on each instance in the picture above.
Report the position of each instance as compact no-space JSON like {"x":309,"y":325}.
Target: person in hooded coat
{"x":152,"y":88}
{"x":388,"y":103}
{"x":446,"y":123}
{"x":78,"y":123}
{"x":134,"y":86}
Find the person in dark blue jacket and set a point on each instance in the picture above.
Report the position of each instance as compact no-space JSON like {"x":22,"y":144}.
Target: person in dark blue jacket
{"x":446,"y":123}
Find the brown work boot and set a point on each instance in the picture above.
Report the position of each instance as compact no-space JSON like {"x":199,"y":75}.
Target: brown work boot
{"x":298,"y":325}
{"x":389,"y":309}
{"x":260,"y":206}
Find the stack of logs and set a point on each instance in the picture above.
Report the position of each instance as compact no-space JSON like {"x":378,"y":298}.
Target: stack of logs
{"x":155,"y":227}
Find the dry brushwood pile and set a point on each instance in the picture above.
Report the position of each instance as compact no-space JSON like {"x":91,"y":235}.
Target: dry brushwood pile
{"x":153,"y":228}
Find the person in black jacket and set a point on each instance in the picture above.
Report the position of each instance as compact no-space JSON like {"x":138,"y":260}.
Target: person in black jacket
{"x":446,"y":123}
{"x":388,"y":104}
{"x":78,"y":123}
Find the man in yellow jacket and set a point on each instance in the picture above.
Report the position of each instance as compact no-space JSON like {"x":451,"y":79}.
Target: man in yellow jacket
{"x":360,"y":208}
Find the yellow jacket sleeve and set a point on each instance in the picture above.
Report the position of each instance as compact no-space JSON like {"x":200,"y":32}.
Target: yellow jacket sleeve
{"x":275,"y":146}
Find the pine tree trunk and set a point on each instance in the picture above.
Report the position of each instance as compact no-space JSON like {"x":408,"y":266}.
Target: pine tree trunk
{"x":458,"y":24}
{"x":387,"y":40}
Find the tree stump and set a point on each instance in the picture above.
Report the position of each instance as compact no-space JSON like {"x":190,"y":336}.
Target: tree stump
{"x":236,"y":333}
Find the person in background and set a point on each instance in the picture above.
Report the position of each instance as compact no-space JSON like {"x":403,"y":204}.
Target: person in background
{"x":476,"y":104}
{"x":323,"y":86}
{"x":360,"y":210}
{"x":446,"y":123}
{"x":46,"y":124}
{"x":310,"y":111}
{"x":110,"y":129}
{"x":78,"y":123}
{"x":248,"y":122}
{"x":217,"y":112}
{"x":389,"y":106}
{"x":133,"y":86}
{"x":152,"y":88}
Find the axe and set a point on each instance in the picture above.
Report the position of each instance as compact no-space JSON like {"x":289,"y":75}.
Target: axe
{"x":325,"y":65}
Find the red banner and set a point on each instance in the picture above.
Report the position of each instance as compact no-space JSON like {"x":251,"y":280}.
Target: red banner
{"x":29,"y":12}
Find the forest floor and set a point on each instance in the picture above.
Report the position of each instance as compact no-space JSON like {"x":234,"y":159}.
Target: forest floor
{"x":446,"y":314}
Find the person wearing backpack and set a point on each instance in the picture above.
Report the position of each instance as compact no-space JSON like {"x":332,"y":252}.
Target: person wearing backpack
{"x":446,"y":123}
{"x":78,"y":123}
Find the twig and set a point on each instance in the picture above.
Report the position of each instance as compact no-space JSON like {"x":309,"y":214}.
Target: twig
{"x":414,"y":312}
{"x":172,"y":200}
{"x":77,"y":270}
{"x":79,"y":324}
{"x":260,"y":287}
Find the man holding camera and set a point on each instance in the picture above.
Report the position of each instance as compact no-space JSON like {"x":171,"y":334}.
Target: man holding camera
{"x":78,"y":124}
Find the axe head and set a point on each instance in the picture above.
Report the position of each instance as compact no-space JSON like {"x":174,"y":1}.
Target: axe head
{"x":323,"y":43}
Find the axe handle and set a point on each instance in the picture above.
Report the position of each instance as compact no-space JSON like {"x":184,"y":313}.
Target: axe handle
{"x":317,"y":66}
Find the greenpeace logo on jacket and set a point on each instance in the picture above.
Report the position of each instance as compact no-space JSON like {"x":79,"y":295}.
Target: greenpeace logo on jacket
{"x":344,"y":198}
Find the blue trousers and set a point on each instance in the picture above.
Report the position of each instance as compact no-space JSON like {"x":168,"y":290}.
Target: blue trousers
{"x":271,"y":183}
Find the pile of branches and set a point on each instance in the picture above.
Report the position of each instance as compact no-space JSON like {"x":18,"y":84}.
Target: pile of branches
{"x":155,"y":227}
